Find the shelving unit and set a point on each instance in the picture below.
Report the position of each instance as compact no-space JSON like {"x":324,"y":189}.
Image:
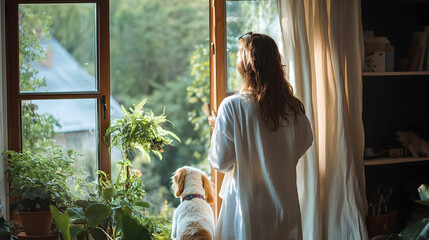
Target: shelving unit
{"x":395,"y":101}
{"x":383,"y":161}
{"x":375,"y":74}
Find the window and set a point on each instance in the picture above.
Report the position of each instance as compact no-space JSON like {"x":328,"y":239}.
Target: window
{"x":159,"y":51}
{"x":73,"y":63}
{"x":58,"y":79}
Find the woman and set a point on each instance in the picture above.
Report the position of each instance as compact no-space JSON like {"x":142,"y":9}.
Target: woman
{"x":258,"y":138}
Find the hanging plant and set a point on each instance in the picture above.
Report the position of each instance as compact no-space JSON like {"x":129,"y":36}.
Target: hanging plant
{"x":139,"y":130}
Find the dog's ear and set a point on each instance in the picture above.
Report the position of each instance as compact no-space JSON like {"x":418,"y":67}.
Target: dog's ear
{"x":207,"y":185}
{"x":179,"y":181}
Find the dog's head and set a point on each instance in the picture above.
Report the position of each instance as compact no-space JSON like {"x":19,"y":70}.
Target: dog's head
{"x":179,"y":178}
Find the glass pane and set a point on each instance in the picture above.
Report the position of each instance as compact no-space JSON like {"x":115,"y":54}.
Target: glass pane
{"x":159,"y":50}
{"x":71,"y":123}
{"x":242,"y":17}
{"x":57,"y":47}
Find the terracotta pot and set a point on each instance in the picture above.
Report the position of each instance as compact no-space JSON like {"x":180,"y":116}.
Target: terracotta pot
{"x":36,"y":223}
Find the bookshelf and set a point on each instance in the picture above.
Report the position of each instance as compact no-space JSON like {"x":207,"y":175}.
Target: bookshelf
{"x":395,"y":101}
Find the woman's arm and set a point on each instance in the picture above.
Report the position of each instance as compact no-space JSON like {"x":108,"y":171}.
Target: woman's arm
{"x":222,"y":152}
{"x":222,"y":148}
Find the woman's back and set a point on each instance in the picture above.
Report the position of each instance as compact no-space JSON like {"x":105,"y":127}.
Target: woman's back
{"x":259,"y":190}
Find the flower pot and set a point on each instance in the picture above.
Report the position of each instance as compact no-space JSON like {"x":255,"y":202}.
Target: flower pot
{"x":36,"y":223}
{"x":383,"y":224}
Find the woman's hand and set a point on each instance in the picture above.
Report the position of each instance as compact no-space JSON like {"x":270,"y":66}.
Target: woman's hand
{"x":212,"y":120}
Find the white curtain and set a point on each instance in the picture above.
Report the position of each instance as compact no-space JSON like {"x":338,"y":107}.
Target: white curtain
{"x":3,"y":142}
{"x":323,"y":50}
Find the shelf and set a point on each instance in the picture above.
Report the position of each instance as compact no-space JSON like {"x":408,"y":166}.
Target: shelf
{"x":375,"y":74}
{"x":383,"y":161}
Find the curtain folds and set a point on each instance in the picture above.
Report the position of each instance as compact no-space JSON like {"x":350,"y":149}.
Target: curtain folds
{"x":323,"y":49}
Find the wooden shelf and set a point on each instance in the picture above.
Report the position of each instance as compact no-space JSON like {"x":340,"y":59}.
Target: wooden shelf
{"x":375,"y":74}
{"x":383,"y":161}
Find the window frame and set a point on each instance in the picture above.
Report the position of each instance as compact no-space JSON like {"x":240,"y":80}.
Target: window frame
{"x":217,"y":76}
{"x":14,"y":97}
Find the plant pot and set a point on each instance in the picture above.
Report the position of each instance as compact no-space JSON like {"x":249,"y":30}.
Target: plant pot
{"x":383,"y":224}
{"x":36,"y":223}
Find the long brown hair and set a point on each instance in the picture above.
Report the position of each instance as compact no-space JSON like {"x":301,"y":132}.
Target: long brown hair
{"x":259,"y":64}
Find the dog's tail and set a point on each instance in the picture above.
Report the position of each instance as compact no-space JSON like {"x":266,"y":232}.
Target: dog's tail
{"x":194,"y":231}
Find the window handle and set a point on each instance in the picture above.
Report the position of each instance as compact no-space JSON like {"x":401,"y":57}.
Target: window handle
{"x":103,"y":101}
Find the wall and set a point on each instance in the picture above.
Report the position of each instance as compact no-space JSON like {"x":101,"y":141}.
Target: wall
{"x":3,"y":127}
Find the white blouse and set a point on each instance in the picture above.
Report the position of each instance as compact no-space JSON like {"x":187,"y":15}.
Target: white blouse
{"x":260,"y":199}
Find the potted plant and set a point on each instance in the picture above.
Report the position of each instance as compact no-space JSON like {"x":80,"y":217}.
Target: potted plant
{"x":39,"y":180}
{"x":119,"y":210}
{"x":139,"y":130}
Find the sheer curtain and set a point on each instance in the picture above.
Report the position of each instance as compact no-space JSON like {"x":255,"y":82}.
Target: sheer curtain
{"x":323,"y":49}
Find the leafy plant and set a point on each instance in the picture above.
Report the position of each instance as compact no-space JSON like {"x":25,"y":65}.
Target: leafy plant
{"x":117,"y":213}
{"x":5,"y":230}
{"x":41,"y":179}
{"x":140,"y":130}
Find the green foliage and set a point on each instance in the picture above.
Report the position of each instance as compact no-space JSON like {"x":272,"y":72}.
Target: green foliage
{"x":127,"y":189}
{"x":157,"y":39}
{"x":34,"y":24}
{"x":37,"y":128}
{"x":117,"y":212}
{"x":89,"y":222}
{"x":74,"y":26}
{"x":139,"y":130}
{"x":5,"y":232}
{"x":415,"y":230}
{"x":41,"y":187}
{"x":130,"y":226}
{"x":63,"y":222}
{"x":198,"y":93}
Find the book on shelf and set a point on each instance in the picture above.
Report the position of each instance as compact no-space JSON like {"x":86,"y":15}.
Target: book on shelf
{"x":426,"y":58}
{"x":418,"y":53}
{"x":423,"y":45}
{"x":414,"y":52}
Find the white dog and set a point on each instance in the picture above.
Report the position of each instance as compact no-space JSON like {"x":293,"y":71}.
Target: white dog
{"x":193,"y":218}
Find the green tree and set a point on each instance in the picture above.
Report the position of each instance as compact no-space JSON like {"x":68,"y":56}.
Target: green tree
{"x":198,"y":94}
{"x":151,"y":42}
{"x":74,"y":26}
{"x":157,"y":174}
{"x":34,"y":25}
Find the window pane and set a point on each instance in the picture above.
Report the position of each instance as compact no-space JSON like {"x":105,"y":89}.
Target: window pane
{"x":159,"y":50}
{"x":242,"y":17}
{"x":71,"y":123}
{"x":57,"y":47}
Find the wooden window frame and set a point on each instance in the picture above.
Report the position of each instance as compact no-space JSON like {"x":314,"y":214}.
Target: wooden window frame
{"x":14,"y":97}
{"x":217,"y":76}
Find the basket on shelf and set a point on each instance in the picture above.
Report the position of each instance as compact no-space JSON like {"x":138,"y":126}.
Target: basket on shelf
{"x":382,"y":224}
